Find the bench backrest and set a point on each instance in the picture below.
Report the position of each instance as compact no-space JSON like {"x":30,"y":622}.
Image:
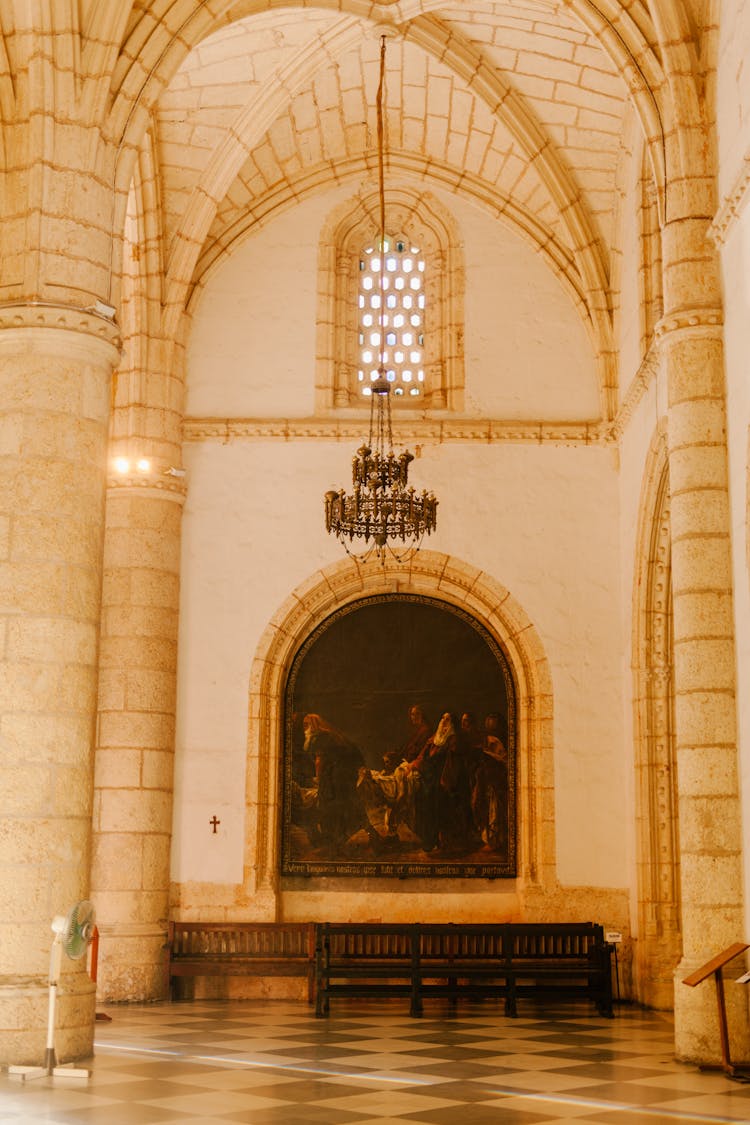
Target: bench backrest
{"x":374,"y":941}
{"x":554,"y":940}
{"x":266,"y":940}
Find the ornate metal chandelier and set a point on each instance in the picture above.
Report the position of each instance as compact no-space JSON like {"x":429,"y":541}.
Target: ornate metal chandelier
{"x":382,"y":509}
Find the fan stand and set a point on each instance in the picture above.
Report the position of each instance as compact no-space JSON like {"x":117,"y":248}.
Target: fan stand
{"x":50,"y":1069}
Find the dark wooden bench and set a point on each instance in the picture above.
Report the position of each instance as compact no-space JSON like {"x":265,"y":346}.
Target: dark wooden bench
{"x":501,"y":960}
{"x":557,"y":960}
{"x":235,"y":949}
{"x":463,"y":960}
{"x":363,"y":959}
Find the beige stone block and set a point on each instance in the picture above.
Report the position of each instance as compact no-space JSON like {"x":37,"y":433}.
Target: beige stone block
{"x":23,"y":1022}
{"x":117,"y":861}
{"x":698,"y":467}
{"x":699,"y":564}
{"x":141,"y":547}
{"x":51,"y":640}
{"x":710,"y":880}
{"x":82,"y":593}
{"x":5,"y":535}
{"x":26,"y":895}
{"x":706,"y":719}
{"x":26,"y":842}
{"x":40,"y":589}
{"x":11,"y":434}
{"x":139,"y":621}
{"x":136,"y":810}
{"x":59,"y":739}
{"x":155,"y":588}
{"x":29,"y":687}
{"x":151,"y":691}
{"x":147,"y":730}
{"x":145,"y":651}
{"x":116,"y":587}
{"x":38,"y":385}
{"x":699,"y":512}
{"x":697,"y":422}
{"x":77,"y":688}
{"x":694,"y":369}
{"x":158,"y":770}
{"x":72,"y":792}
{"x":707,"y":930}
{"x":707,"y":771}
{"x":117,"y":769}
{"x":116,"y":906}
{"x":26,"y":789}
{"x":710,"y":825}
{"x":160,"y":515}
{"x":703,"y":665}
{"x":704,"y":614}
{"x":691,"y":281}
{"x":112,"y":685}
{"x":156,"y":860}
{"x":47,"y":538}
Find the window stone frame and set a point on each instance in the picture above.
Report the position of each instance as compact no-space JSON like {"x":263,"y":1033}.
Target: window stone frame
{"x":422,"y":219}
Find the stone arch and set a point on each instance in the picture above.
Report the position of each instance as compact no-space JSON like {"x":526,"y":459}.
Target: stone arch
{"x":659,"y":943}
{"x":441,"y":577}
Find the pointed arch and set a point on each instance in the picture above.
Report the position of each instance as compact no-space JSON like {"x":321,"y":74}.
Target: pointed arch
{"x":444,"y":578}
{"x":659,"y":945}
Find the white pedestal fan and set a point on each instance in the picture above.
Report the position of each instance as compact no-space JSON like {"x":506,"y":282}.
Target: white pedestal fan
{"x":73,"y":933}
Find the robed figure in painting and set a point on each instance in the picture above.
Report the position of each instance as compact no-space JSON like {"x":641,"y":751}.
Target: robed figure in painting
{"x":337,"y":762}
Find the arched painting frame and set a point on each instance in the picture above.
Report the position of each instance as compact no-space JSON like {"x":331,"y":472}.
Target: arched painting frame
{"x":363,"y":670}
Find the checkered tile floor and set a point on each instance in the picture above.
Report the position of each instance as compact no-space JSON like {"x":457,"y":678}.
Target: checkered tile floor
{"x":273,"y":1063}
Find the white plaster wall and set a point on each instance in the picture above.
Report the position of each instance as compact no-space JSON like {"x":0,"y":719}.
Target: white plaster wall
{"x":734,"y":154}
{"x":252,"y":345}
{"x":733,"y":91}
{"x":541,"y":520}
{"x":527,"y":353}
{"x":736,"y":271}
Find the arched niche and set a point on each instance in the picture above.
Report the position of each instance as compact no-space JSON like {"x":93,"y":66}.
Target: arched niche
{"x":445,"y":579}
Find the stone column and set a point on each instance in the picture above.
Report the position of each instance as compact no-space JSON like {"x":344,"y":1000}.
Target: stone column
{"x":55,"y":367}
{"x":690,"y":337}
{"x":135,"y":747}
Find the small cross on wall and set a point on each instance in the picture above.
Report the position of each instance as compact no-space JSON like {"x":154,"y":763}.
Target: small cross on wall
{"x":214,"y":823}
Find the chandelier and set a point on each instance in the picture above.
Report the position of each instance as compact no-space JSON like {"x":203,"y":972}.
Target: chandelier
{"x":382,"y":509}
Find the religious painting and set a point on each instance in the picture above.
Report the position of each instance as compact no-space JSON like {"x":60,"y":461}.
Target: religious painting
{"x":399,"y":746}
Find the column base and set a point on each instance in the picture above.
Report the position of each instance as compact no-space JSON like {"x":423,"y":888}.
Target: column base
{"x":696,"y":1019}
{"x":24,"y":1007}
{"x":132,"y":963}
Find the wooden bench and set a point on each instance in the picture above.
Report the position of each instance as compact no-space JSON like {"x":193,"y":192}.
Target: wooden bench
{"x":234,"y":949}
{"x":559,"y":960}
{"x":366,"y":959}
{"x":501,"y":960}
{"x":463,"y":960}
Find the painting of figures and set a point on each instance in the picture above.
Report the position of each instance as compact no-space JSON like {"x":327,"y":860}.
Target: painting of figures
{"x":399,"y":746}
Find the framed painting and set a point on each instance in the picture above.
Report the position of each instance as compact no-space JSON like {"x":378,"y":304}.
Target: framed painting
{"x":399,"y":746}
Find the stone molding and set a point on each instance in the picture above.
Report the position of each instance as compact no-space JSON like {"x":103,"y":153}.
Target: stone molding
{"x":68,"y":318}
{"x":488,"y":430}
{"x":640,"y":383}
{"x":163,"y":489}
{"x":698,"y":321}
{"x":732,"y":205}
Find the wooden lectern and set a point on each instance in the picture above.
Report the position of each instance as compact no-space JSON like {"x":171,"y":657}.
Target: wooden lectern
{"x":713,"y":968}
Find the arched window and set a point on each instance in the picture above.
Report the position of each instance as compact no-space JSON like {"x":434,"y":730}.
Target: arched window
{"x":420,"y":308}
{"x":391,"y":320}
